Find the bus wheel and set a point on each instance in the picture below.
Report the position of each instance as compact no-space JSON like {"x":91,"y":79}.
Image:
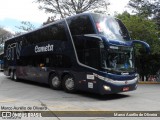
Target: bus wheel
{"x":11,"y":74}
{"x":69,"y":84}
{"x":15,"y":76}
{"x":54,"y":82}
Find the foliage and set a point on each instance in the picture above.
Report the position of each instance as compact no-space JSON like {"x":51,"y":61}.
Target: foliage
{"x":49,"y":20}
{"x":4,"y":34}
{"x":142,"y":29}
{"x":146,"y":30}
{"x":147,"y":8}
{"x":147,"y":64}
{"x":26,"y":26}
{"x":64,"y":8}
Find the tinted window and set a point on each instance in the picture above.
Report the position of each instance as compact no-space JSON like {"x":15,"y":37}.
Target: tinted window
{"x":79,"y":43}
{"x":80,"y":25}
{"x":59,"y":61}
{"x":92,"y":53}
{"x":47,"y":60}
{"x":88,"y":50}
{"x":52,"y":32}
{"x":112,"y":28}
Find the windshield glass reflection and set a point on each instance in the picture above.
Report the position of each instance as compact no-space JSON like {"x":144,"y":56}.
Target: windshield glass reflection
{"x":111,"y":27}
{"x":118,"y":59}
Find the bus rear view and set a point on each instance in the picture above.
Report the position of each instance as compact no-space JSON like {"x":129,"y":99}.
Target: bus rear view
{"x":91,"y":52}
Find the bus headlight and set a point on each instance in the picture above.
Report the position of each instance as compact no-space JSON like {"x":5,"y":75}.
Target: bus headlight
{"x":107,"y":88}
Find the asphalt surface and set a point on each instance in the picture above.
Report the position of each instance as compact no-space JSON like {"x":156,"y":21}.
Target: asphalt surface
{"x":26,"y":95}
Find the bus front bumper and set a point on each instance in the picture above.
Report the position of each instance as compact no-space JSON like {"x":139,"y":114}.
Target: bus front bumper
{"x":115,"y":86}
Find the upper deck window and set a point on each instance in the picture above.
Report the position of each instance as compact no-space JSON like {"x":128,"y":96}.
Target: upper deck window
{"x":80,"y":25}
{"x":112,"y":28}
{"x":50,"y":33}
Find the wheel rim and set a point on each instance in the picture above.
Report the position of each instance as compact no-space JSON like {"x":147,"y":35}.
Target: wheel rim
{"x":69,"y":83}
{"x":55,"y":81}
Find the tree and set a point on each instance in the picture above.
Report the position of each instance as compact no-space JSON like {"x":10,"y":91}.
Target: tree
{"x":4,"y":34}
{"x":64,"y":8}
{"x":142,"y":29}
{"x":26,"y":26}
{"x":49,"y":20}
{"x":150,"y":10}
{"x":146,"y":30}
{"x":147,"y":8}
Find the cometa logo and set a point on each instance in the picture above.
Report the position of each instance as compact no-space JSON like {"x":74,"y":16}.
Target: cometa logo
{"x":43,"y":48}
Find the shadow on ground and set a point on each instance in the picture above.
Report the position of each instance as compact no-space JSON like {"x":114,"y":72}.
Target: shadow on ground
{"x":102,"y":97}
{"x":80,"y":93}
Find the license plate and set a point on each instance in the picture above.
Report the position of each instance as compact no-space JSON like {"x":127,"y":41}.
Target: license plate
{"x":125,"y":88}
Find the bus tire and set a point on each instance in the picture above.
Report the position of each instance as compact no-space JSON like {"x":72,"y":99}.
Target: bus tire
{"x":15,"y":76}
{"x":11,"y":74}
{"x":69,"y":84}
{"x":54,"y":82}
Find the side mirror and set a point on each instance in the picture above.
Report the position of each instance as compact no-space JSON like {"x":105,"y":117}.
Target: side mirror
{"x":146,"y":45}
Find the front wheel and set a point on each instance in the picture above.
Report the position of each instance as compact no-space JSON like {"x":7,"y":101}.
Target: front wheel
{"x":69,"y":84}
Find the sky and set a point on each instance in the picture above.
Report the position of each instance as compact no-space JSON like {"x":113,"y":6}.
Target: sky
{"x":12,"y":12}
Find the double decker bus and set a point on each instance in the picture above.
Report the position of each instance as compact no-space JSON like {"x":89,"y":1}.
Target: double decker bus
{"x":88,"y":52}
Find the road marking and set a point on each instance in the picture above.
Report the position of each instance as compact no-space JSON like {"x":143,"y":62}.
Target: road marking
{"x":7,"y":100}
{"x":73,"y":108}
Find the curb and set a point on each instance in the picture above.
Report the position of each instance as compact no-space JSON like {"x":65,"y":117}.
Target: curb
{"x":148,"y":82}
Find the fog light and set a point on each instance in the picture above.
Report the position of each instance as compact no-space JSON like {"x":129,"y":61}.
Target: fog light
{"x":107,"y":88}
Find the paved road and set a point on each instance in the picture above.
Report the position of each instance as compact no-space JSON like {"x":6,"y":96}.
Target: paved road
{"x":37,"y":96}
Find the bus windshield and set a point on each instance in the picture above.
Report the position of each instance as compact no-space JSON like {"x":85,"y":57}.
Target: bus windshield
{"x":120,"y":59}
{"x":111,"y":27}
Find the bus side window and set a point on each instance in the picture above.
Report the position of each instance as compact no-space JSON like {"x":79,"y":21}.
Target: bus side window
{"x":58,"y":61}
{"x":92,"y":53}
{"x":79,"y":43}
{"x":57,"y":32}
{"x":53,"y":32}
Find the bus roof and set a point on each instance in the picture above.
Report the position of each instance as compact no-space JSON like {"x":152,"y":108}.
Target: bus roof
{"x":46,"y":26}
{"x":87,"y":13}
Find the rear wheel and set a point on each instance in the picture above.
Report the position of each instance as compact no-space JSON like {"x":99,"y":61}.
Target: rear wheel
{"x":54,"y":82}
{"x":15,"y":76}
{"x":69,"y":84}
{"x":11,"y":74}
